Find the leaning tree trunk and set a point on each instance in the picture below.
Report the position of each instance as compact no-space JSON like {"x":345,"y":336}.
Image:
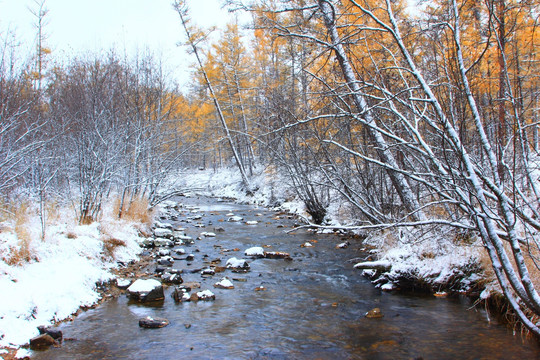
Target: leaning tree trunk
{"x":399,"y":180}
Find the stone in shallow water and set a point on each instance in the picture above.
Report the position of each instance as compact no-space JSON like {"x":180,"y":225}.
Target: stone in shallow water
{"x":146,"y":290}
{"x":56,"y":334}
{"x":165,"y":261}
{"x":277,"y":255}
{"x":170,"y":278}
{"x":255,"y":251}
{"x":181,"y":294}
{"x":42,"y":342}
{"x":237,"y":265}
{"x":224,"y":284}
{"x":153,"y":323}
{"x":374,"y":313}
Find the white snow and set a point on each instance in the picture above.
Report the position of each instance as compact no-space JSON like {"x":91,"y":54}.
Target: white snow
{"x":253,"y":222}
{"x":235,"y":218}
{"x":62,"y":273}
{"x":123,"y":283}
{"x":22,"y":354}
{"x":254,"y":251}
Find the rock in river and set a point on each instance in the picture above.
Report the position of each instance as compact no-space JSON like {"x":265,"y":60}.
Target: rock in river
{"x":163,"y":233}
{"x":277,"y":255}
{"x":255,"y":251}
{"x":56,"y":334}
{"x":237,"y":265}
{"x":374,"y":313}
{"x":172,"y":278}
{"x":42,"y":342}
{"x":146,"y":290}
{"x":205,"y":295}
{"x":153,"y":323}
{"x":224,"y":284}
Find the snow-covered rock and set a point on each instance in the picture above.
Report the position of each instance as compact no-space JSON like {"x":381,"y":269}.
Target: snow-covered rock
{"x":238,"y":265}
{"x":255,"y":251}
{"x":162,"y":242}
{"x":163,"y":225}
{"x":146,"y":290}
{"x":224,"y":283}
{"x":205,"y":295}
{"x":163,"y":233}
{"x":153,"y":323}
{"x":235,"y":218}
{"x":252,"y":222}
{"x":123,"y":283}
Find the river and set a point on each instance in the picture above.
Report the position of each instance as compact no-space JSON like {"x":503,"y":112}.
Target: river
{"x":311,"y":307}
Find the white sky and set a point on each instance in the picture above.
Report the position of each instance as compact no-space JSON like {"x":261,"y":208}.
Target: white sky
{"x":80,"y":26}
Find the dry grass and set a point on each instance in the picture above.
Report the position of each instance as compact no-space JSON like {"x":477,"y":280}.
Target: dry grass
{"x":20,"y":254}
{"x":137,"y":210}
{"x":110,"y":244}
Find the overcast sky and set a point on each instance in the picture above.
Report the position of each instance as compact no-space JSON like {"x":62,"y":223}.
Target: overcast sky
{"x":79,"y":26}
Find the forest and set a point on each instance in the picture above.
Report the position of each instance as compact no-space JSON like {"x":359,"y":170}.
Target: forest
{"x":419,"y":119}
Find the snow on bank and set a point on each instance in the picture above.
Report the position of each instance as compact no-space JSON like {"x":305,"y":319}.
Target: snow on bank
{"x":62,"y":273}
{"x":269,"y":188}
{"x":431,"y":259}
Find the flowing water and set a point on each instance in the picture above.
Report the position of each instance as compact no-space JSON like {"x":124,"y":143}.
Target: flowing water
{"x":312,"y":307}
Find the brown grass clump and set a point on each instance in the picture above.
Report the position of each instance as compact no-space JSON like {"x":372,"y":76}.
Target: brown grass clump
{"x":135,"y":210}
{"x":110,"y":244}
{"x":22,"y":253}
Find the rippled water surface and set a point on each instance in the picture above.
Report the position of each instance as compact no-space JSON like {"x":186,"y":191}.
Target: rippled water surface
{"x":313,"y":308}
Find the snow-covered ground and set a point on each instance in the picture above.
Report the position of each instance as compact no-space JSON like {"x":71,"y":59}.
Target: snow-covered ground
{"x":62,"y":272}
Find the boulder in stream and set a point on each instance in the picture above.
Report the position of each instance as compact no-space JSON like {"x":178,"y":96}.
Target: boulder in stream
{"x":146,"y":290}
{"x":153,"y":323}
{"x":225,"y":283}
{"x":205,"y":295}
{"x":181,"y":293}
{"x":42,"y":342}
{"x":256,"y":251}
{"x":169,"y":278}
{"x":237,"y":265}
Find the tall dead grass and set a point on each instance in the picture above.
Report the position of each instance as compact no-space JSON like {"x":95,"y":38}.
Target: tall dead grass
{"x":19,"y":216}
{"x":136,"y":210}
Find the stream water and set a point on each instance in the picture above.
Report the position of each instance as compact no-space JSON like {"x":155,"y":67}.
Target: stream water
{"x":313,"y":307}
